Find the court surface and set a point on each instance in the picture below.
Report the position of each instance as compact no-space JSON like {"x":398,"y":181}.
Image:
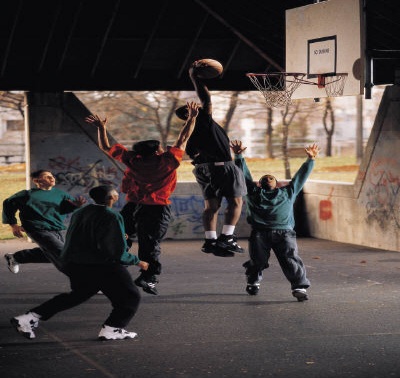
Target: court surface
{"x":203,"y":324}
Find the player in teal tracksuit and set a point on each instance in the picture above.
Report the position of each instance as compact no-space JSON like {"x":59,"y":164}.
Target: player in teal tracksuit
{"x":271,"y":216}
{"x":42,"y":211}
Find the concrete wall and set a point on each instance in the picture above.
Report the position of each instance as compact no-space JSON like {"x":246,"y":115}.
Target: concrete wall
{"x":58,"y":139}
{"x":366,"y":213}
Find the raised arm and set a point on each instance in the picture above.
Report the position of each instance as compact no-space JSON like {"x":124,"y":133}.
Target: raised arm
{"x":301,"y":176}
{"x":312,"y":151}
{"x":237,"y":147}
{"x":188,"y":127}
{"x":101,"y":125}
{"x":200,"y":88}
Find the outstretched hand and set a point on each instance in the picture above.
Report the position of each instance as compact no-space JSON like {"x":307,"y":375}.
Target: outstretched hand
{"x":79,"y":201}
{"x":312,"y":150}
{"x":237,"y":146}
{"x":95,"y":120}
{"x":193,"y":109}
{"x":193,"y":68}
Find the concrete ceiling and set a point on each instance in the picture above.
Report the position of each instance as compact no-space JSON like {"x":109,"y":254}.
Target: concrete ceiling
{"x":53,"y":45}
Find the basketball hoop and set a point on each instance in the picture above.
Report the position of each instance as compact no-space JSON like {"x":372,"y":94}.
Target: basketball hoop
{"x":334,"y":85}
{"x":277,"y":87}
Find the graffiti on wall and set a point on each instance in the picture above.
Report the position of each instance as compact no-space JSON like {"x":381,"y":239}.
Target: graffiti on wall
{"x":187,"y":212}
{"x":187,"y":216}
{"x":382,"y":194}
{"x":77,"y":179}
{"x":325,"y":207}
{"x":71,"y":175}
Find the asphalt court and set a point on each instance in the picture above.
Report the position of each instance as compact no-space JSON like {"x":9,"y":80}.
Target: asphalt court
{"x":203,"y":323}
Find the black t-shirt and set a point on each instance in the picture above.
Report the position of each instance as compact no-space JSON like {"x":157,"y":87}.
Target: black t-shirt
{"x":208,"y":142}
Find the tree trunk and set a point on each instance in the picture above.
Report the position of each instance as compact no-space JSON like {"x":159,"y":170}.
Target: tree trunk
{"x":268,"y":135}
{"x":328,"y":145}
{"x":231,"y":110}
{"x":285,"y":137}
{"x":286,"y":162}
{"x":329,"y":129}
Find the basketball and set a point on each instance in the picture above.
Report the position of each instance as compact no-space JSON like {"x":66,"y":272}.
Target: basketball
{"x":207,"y":68}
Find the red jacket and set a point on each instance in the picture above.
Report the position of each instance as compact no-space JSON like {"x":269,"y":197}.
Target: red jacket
{"x":150,"y":180}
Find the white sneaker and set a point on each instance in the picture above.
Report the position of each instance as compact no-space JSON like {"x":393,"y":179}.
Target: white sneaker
{"x":25,"y":324}
{"x":12,"y":264}
{"x":300,"y":294}
{"x":111,"y":333}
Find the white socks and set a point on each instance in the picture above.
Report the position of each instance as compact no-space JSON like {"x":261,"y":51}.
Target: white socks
{"x":211,"y":234}
{"x":228,"y":229}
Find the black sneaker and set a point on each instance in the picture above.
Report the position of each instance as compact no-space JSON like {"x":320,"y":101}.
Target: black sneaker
{"x":228,"y":243}
{"x":253,"y":289}
{"x":148,"y":284}
{"x":210,"y":246}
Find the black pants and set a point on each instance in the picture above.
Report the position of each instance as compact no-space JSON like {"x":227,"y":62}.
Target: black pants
{"x":152,"y":225}
{"x":284,"y":245}
{"x":50,"y":244}
{"x":128,"y":213}
{"x":113,"y":280}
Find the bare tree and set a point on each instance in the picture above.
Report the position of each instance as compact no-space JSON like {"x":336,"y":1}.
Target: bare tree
{"x":268,"y":134}
{"x":137,"y":115}
{"x":328,"y":121}
{"x":288,"y":114}
{"x":252,"y":106}
{"x":233,"y":103}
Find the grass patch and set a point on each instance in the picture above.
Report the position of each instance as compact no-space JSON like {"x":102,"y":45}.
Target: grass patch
{"x":12,"y":180}
{"x":334,"y":168}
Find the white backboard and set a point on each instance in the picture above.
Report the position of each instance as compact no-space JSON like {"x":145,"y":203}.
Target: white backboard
{"x":326,"y":38}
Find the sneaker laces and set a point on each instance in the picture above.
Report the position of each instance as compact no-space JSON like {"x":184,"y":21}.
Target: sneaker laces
{"x":233,"y":239}
{"x":34,"y":324}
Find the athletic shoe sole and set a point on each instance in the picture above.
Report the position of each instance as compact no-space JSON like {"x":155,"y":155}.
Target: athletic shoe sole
{"x":300,"y":296}
{"x":103,"y":338}
{"x":220,"y":252}
{"x":229,"y":248}
{"x":217,"y":251}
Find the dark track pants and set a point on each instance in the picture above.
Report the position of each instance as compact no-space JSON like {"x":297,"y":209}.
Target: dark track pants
{"x":284,"y":245}
{"x":113,"y":280}
{"x":152,"y":226}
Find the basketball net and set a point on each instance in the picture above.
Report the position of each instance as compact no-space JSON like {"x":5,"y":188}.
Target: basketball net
{"x":278,"y":87}
{"x":334,"y":85}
